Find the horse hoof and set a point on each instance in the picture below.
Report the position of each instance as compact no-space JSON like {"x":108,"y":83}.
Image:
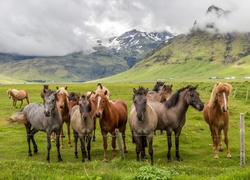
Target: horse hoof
{"x":229,"y":156}
{"x":105,"y":160}
{"x":61,"y":147}
{"x":216,"y":157}
{"x":70,"y":145}
{"x":170,"y":160}
{"x":60,"y":160}
{"x":125,"y":151}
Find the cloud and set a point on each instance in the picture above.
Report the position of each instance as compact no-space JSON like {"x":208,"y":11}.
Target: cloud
{"x":59,"y":27}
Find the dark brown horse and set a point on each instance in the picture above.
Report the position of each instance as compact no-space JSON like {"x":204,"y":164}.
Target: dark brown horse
{"x":172,"y":114}
{"x":113,"y":115}
{"x":18,"y":95}
{"x":216,"y":116}
{"x":142,"y":121}
{"x":158,"y":86}
{"x":73,"y":100}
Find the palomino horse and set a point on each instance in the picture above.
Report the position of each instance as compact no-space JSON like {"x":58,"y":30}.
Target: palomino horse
{"x":18,"y":95}
{"x":63,"y":106}
{"x":42,"y":92}
{"x":82,"y":122}
{"x":158,"y":86}
{"x":172,"y":114}
{"x":45,"y":118}
{"x":113,"y":115}
{"x":216,"y":116}
{"x":142,"y":121}
{"x":164,"y":93}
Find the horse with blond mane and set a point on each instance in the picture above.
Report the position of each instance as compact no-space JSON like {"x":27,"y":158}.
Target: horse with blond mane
{"x":18,"y":95}
{"x":216,"y":116}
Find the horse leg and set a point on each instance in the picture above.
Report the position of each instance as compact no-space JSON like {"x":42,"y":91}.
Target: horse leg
{"x":216,"y":141}
{"x":53,"y":138}
{"x":61,"y":138}
{"x":105,"y":146}
{"x":123,"y":139}
{"x":82,"y":140}
{"x":75,"y":141}
{"x":169,"y":135}
{"x":57,"y":145}
{"x":94,"y":129}
{"x":143,"y":144}
{"x":68,"y":132}
{"x":220,"y":142}
{"x":114,"y":144}
{"x":14,"y":103}
{"x":150,"y":148}
{"x":137,"y":141}
{"x":33,"y":132}
{"x":28,"y":126}
{"x":49,"y":146}
{"x":226,"y":141}
{"x":21,"y":103}
{"x":89,"y":137}
{"x":177,"y":136}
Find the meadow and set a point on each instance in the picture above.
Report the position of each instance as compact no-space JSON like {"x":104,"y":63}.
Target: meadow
{"x":195,"y":143}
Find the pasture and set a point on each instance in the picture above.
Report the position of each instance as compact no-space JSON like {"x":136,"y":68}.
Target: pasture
{"x":195,"y":143}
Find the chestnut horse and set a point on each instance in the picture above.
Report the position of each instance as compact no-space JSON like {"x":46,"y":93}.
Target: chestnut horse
{"x":63,"y":106}
{"x":216,"y":116}
{"x":113,"y":115}
{"x":18,"y":95}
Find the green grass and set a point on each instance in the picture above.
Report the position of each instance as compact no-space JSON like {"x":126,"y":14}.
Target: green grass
{"x":195,"y":141}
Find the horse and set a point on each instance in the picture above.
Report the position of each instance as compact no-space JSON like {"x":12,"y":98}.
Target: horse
{"x":142,"y":121}
{"x":63,"y":106}
{"x":216,"y":116}
{"x":73,"y":100}
{"x":172,"y":114}
{"x":158,"y":86}
{"x":42,"y":92}
{"x":163,"y":94}
{"x":18,"y":95}
{"x":37,"y":117}
{"x":112,"y":115}
{"x":82,"y":122}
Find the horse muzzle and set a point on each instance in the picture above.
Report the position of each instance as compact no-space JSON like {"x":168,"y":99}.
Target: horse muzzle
{"x":224,"y":108}
{"x":98,"y":114}
{"x":47,"y":113}
{"x":140,"y":117}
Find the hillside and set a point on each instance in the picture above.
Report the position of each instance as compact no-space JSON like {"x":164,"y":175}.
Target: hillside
{"x":197,"y":56}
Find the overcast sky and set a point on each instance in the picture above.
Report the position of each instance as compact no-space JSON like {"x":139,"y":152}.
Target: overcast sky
{"x":59,"y":27}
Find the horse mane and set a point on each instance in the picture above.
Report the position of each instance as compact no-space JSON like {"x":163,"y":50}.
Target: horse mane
{"x":172,"y":101}
{"x":141,"y":91}
{"x":218,"y":88}
{"x":73,"y":96}
{"x":62,"y":90}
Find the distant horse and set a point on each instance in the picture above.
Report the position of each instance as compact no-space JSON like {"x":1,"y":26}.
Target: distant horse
{"x":164,"y":93}
{"x":63,"y":106}
{"x":37,"y":117}
{"x":172,"y":114}
{"x":158,"y":86}
{"x":42,"y":92}
{"x":18,"y":95}
{"x":142,"y":121}
{"x":216,"y":116}
{"x":113,"y":115}
{"x":82,"y":121}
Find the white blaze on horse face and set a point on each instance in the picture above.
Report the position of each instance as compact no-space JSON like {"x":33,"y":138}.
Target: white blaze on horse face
{"x":98,"y":101}
{"x":225,"y":101}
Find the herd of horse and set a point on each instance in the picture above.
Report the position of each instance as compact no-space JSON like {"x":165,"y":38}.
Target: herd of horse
{"x":156,"y":109}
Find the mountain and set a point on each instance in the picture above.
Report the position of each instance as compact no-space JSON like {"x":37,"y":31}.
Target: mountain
{"x":197,"y":56}
{"x":109,"y":57}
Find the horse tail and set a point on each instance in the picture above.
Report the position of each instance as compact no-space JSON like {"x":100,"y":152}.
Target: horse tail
{"x":27,"y":97}
{"x":19,"y":117}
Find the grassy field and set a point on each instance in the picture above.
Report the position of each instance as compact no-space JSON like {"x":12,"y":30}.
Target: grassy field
{"x":195,"y":143}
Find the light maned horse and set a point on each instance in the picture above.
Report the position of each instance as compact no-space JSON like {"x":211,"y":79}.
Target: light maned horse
{"x":113,"y":115}
{"x":216,"y":116}
{"x":82,"y":121}
{"x":63,"y":106}
{"x":164,"y":93}
{"x":142,"y":121}
{"x":102,"y":89}
{"x":18,"y":95}
{"x":37,"y":117}
{"x":172,"y":114}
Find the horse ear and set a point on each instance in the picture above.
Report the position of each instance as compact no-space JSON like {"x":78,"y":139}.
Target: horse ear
{"x":105,"y":92}
{"x":146,"y":91}
{"x":196,"y":86}
{"x":135,"y":91}
{"x":57,"y":87}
